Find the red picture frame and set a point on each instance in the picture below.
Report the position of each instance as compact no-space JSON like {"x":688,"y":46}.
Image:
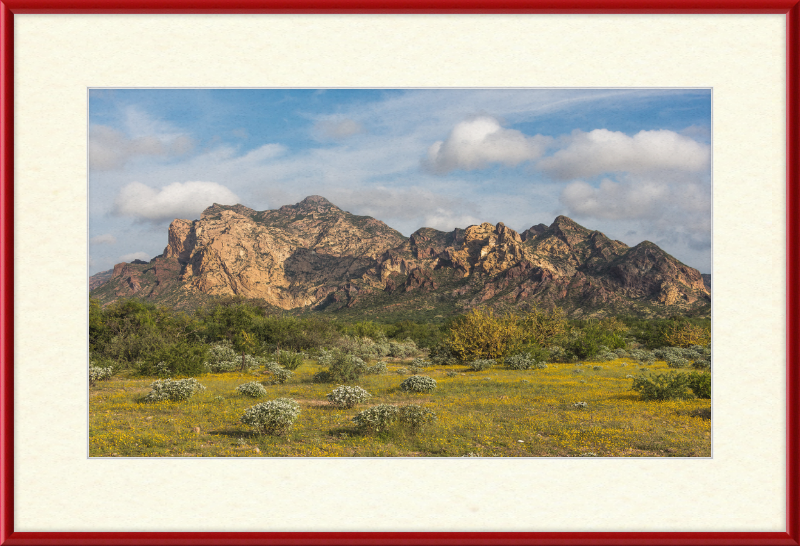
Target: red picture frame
{"x":791,"y":8}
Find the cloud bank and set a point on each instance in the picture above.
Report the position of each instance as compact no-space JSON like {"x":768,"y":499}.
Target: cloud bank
{"x":110,"y":149}
{"x":602,"y":151}
{"x":177,"y":200}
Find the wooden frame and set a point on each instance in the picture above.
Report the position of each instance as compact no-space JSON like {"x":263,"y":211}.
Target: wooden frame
{"x":11,"y":7}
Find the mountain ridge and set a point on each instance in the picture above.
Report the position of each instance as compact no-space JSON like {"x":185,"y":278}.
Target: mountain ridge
{"x":314,"y":256}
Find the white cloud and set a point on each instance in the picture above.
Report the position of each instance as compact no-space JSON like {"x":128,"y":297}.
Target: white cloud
{"x":110,"y":149}
{"x":673,"y":215}
{"x":634,"y":197}
{"x":134,"y":256}
{"x":177,"y":200}
{"x":480,"y":141}
{"x":338,"y":129}
{"x":105,"y":239}
{"x":602,"y":151}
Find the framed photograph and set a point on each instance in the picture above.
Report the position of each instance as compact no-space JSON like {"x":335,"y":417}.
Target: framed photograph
{"x":533,"y":168}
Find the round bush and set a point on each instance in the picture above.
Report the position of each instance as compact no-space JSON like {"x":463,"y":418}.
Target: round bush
{"x":418,"y":383}
{"x":252,"y":389}
{"x":97,"y":373}
{"x":523,"y":361}
{"x":377,"y":418}
{"x":669,"y":386}
{"x":420,"y":363}
{"x":415,"y":417}
{"x":274,"y":417}
{"x":377,"y":369}
{"x":175,"y":390}
{"x":279,"y":374}
{"x":481,"y":364}
{"x":347,"y":397}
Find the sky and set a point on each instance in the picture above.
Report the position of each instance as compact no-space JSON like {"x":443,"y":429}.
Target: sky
{"x":632,"y":163}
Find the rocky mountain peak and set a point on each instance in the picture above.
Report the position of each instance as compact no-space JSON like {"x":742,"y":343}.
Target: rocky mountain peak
{"x":312,"y":203}
{"x":216,"y":209}
{"x":315,"y":255}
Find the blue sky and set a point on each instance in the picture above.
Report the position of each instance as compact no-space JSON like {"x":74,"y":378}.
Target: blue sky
{"x":632,"y":163}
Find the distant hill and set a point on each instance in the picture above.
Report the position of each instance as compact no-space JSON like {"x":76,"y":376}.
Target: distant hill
{"x":99,"y":278}
{"x":315,"y":257}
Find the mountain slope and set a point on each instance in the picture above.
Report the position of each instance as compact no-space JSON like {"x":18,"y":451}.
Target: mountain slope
{"x":313,"y":256}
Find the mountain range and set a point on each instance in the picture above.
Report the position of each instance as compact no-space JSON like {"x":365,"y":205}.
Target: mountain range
{"x":315,"y":257}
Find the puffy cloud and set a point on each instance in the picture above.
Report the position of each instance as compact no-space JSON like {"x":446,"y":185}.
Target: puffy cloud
{"x":177,"y":200}
{"x":670,"y":214}
{"x":478,"y":142}
{"x":105,"y":239}
{"x":602,"y":151}
{"x":111,"y":149}
{"x":134,"y":256}
{"x":338,"y":129}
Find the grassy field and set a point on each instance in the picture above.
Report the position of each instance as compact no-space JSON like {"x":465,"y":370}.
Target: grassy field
{"x":493,"y":413}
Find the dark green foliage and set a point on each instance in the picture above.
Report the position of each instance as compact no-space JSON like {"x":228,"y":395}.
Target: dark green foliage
{"x":652,"y":332}
{"x":662,"y":386}
{"x":700,"y":383}
{"x":130,"y":330}
{"x":588,"y":338}
{"x":180,"y":358}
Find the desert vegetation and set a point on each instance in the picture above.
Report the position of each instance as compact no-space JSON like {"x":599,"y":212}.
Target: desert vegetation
{"x":236,"y":379}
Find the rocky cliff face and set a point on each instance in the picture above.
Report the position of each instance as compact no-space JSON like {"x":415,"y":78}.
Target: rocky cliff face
{"x":315,"y":255}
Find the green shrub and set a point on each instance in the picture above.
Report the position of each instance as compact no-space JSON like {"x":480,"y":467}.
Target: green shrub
{"x":558,"y":354}
{"x":418,"y":383}
{"x":290,"y":360}
{"x":415,"y":417}
{"x":347,"y":397}
{"x":523,"y":361}
{"x":323,"y":376}
{"x":441,"y":355}
{"x":400,"y":349}
{"x":279,"y":374}
{"x":669,"y":386}
{"x":174,"y":390}
{"x":377,"y":418}
{"x":252,"y":389}
{"x":377,"y":369}
{"x":342,"y":368}
{"x":481,"y":364}
{"x":222,"y":358}
{"x":700,"y":383}
{"x":180,"y":358}
{"x":274,"y":417}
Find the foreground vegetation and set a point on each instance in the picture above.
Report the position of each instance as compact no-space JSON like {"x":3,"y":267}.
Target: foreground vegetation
{"x":496,"y":412}
{"x":235,"y":380}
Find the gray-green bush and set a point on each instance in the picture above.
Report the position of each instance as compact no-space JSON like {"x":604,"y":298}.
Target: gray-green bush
{"x":174,"y":390}
{"x":418,"y":383}
{"x":275,"y":417}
